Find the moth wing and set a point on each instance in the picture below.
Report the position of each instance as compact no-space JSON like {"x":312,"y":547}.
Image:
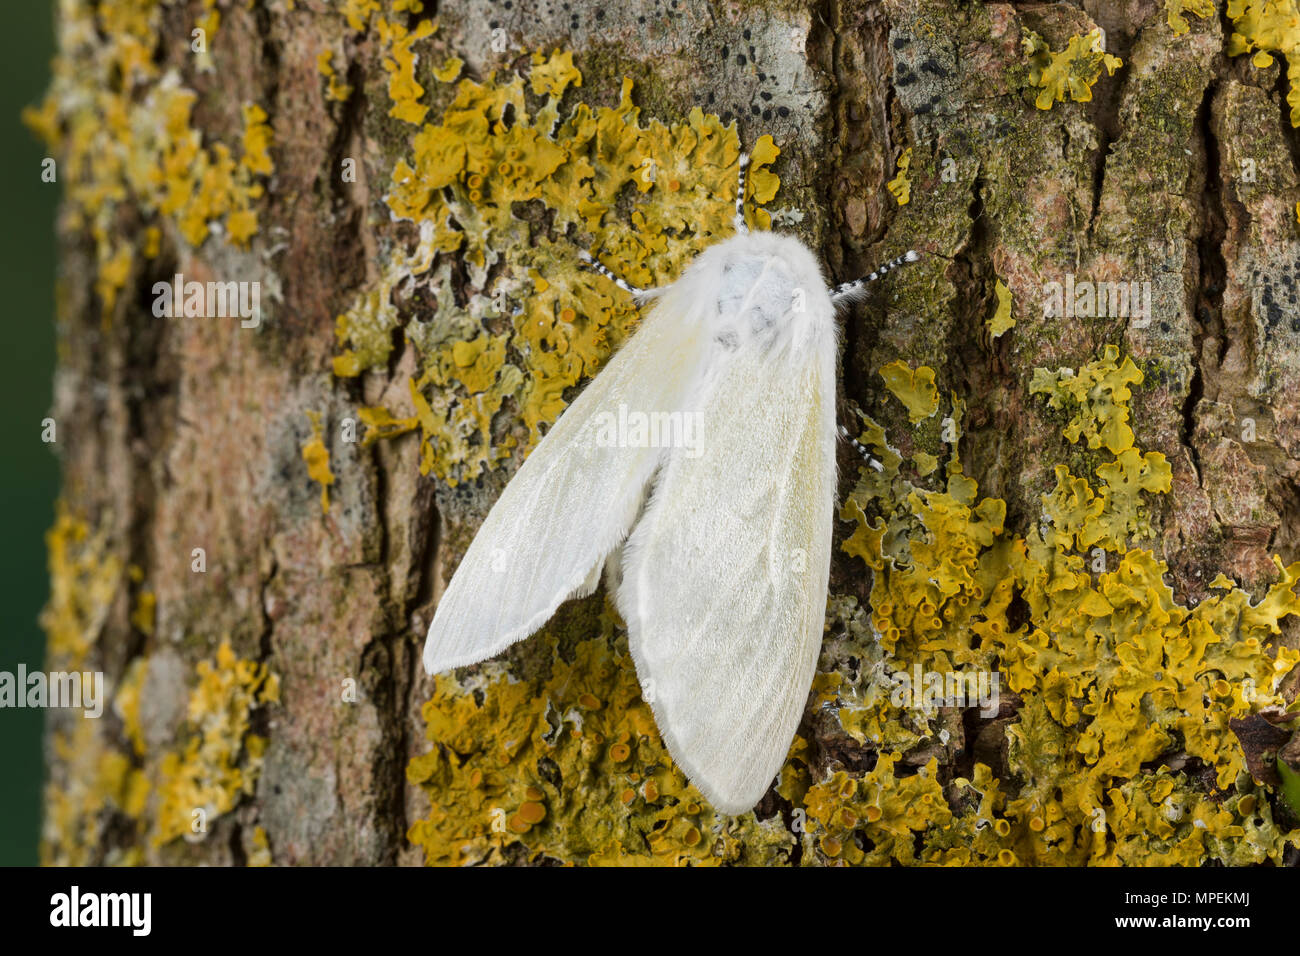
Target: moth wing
{"x":570,"y":504}
{"x":725,"y":576}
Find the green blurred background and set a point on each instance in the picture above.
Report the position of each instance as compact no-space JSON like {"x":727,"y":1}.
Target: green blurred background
{"x":30,"y":473}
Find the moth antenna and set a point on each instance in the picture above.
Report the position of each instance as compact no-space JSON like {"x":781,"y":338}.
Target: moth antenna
{"x":740,"y":195}
{"x":849,"y":291}
{"x":861,"y":449}
{"x":635,"y":291}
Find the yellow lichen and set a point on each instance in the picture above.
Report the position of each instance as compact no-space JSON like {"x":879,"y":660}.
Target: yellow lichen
{"x":568,"y":768}
{"x":450,"y":70}
{"x":111,"y":277}
{"x":119,"y":122}
{"x":879,"y":810}
{"x":915,"y":389}
{"x":109,"y":801}
{"x":1001,"y":319}
{"x":258,"y":848}
{"x":220,"y":760}
{"x":92,"y":780}
{"x":367,"y":326}
{"x":84,"y":579}
{"x":925,"y":463}
{"x":1114,"y":675}
{"x":152,"y":242}
{"x":335,"y":88}
{"x":553,"y":76}
{"x":145,"y":612}
{"x":1174,"y":10}
{"x":1268,"y":27}
{"x":533,"y":338}
{"x":380,"y":423}
{"x":900,"y":186}
{"x":357,"y":12}
{"x":98,"y":783}
{"x":126,"y":703}
{"x":1073,"y":71}
{"x":317,"y":457}
{"x":403,"y":89}
{"x":1100,"y":390}
{"x":257,"y":141}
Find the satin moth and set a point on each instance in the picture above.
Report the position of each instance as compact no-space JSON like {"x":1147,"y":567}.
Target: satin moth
{"x":718,"y":549}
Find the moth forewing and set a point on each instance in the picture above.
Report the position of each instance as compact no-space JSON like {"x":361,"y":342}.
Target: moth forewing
{"x":570,"y":505}
{"x":725,"y":573}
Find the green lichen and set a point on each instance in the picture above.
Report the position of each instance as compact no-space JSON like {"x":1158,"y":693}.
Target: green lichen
{"x":1290,"y":786}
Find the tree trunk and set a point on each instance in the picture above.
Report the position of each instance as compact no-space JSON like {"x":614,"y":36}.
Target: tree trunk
{"x":261,"y":507}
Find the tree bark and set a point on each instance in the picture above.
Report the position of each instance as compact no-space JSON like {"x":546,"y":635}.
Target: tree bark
{"x":253,"y":568}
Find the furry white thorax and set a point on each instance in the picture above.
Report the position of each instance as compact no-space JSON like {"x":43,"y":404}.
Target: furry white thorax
{"x":759,"y":290}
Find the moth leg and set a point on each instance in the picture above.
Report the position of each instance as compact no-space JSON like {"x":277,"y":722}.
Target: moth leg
{"x":848,"y":291}
{"x":636,"y":292}
{"x":861,"y":449}
{"x":740,"y":195}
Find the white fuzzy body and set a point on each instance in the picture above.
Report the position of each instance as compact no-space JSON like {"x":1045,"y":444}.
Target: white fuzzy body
{"x":723,"y":570}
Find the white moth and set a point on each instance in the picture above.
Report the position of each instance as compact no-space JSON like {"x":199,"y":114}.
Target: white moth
{"x":719,"y":548}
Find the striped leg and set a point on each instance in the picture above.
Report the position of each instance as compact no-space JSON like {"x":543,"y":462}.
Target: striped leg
{"x":849,"y":291}
{"x":740,"y":195}
{"x":627,"y":287}
{"x":861,"y":449}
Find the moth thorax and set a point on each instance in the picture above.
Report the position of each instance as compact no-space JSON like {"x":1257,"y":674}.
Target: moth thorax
{"x":761,"y":303}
